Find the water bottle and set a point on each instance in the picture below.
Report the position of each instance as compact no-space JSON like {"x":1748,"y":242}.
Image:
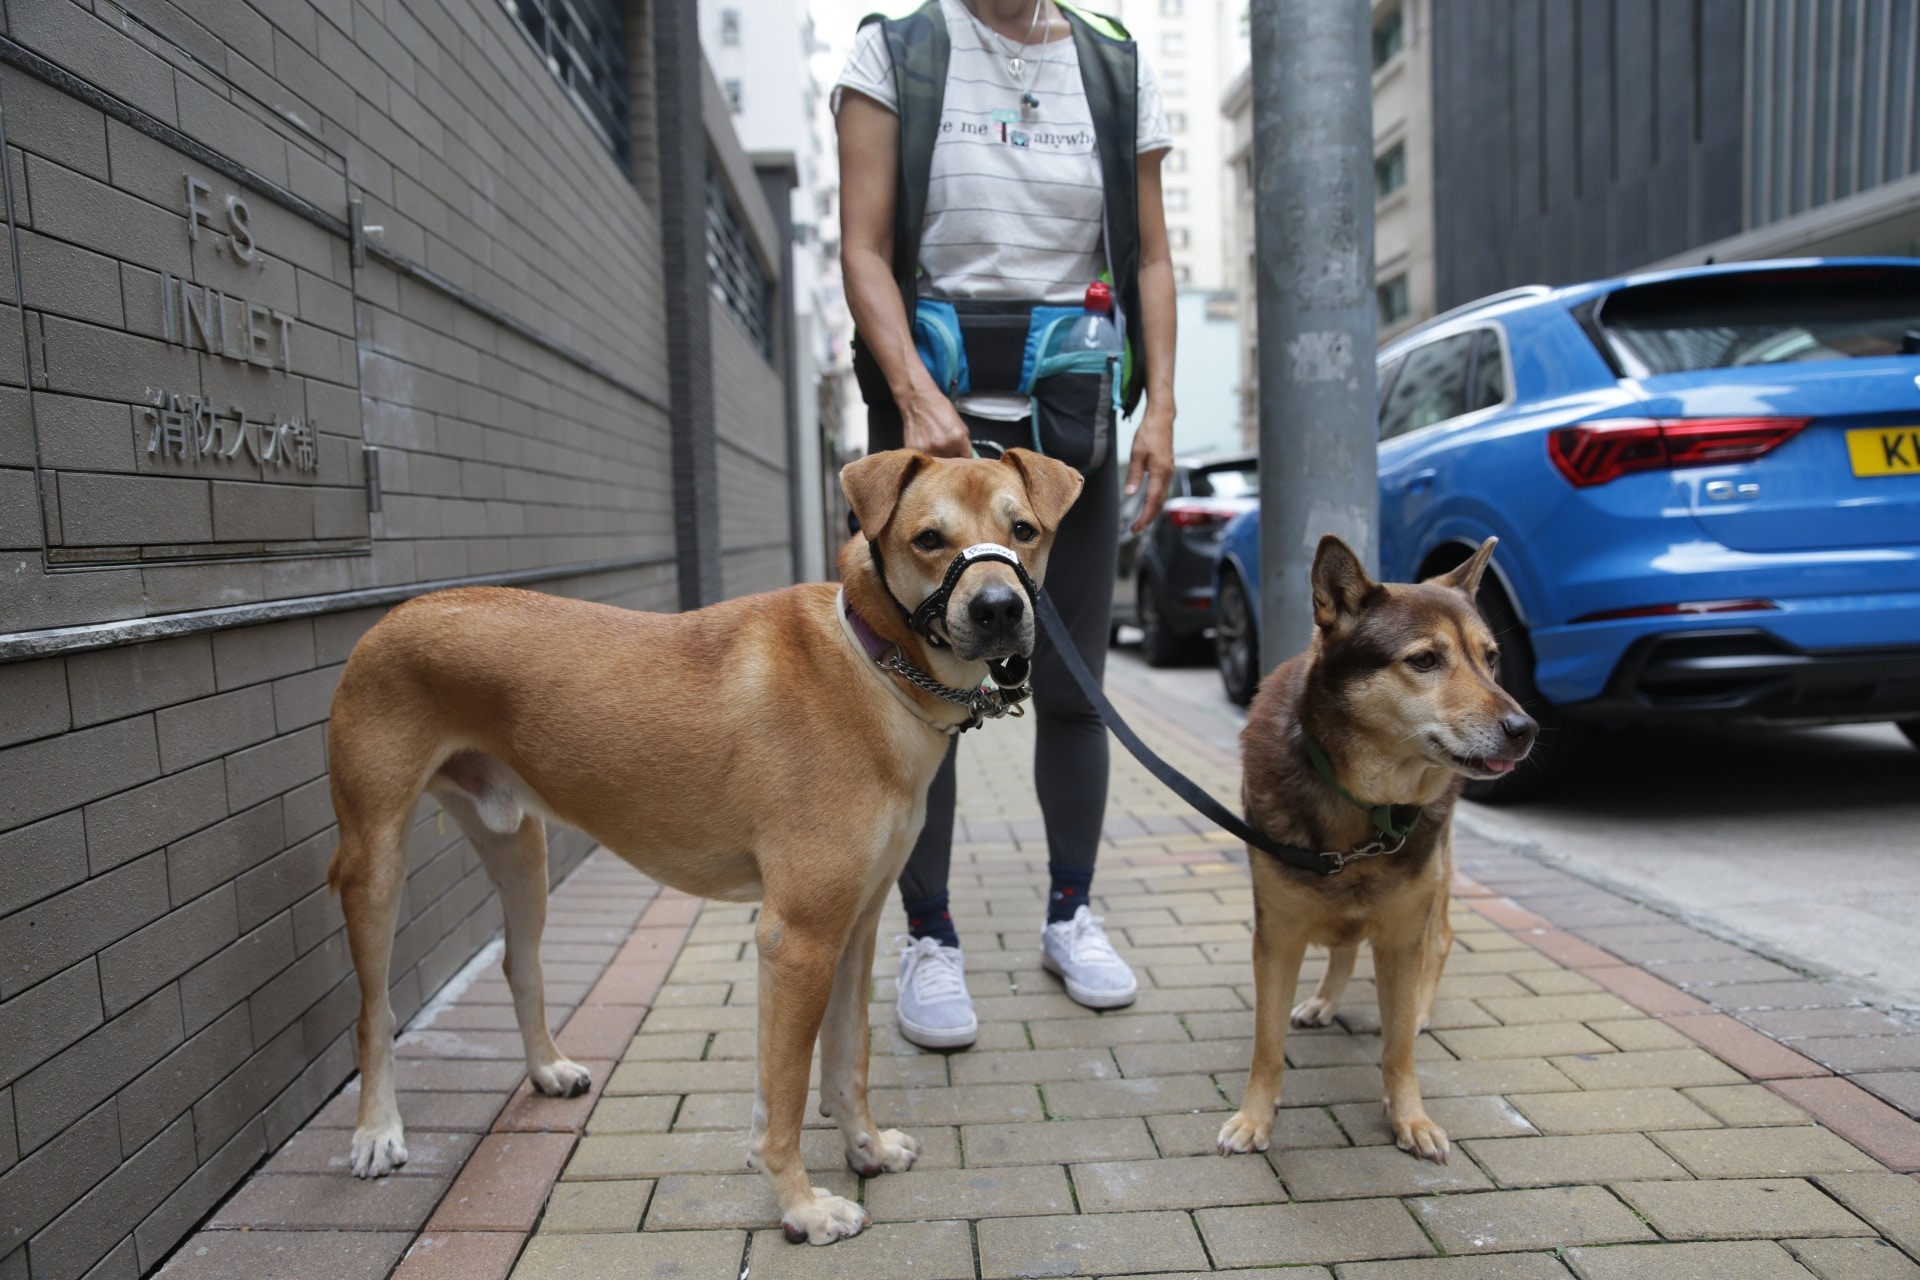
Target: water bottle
{"x":1094,"y":330}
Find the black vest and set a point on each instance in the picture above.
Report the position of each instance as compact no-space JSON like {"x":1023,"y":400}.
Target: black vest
{"x":1109,"y":74}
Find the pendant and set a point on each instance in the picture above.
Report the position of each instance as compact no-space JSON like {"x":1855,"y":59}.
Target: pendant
{"x":1016,"y":67}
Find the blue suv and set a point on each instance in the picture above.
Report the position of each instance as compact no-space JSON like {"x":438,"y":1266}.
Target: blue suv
{"x":1706,"y":486}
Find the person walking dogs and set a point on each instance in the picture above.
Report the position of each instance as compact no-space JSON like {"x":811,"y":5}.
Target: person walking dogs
{"x":1004,"y":248}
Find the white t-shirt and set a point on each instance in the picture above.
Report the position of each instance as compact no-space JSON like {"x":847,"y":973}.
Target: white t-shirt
{"x":1015,"y":203}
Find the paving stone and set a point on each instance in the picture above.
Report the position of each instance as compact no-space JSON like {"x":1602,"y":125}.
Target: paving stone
{"x":1557,"y":1161}
{"x":704,"y":1201}
{"x":1312,"y":1086}
{"x":1488,"y":1076}
{"x":328,"y":1202}
{"x":1793,"y":994}
{"x":1652,"y":1069}
{"x":967,"y":1104}
{"x":460,"y":1255}
{"x":987,"y":1145}
{"x":1612,"y":1111}
{"x":652,"y":1155}
{"x":596,"y":1206}
{"x":1343,"y":1051}
{"x":1108,"y":1030}
{"x":897,"y":1250}
{"x":1760,"y":1153}
{"x":1496,"y":1266}
{"x":1901,"y":1088}
{"x":1747,"y":1051}
{"x":688,"y":1077}
{"x":1195,"y":1133}
{"x":733,"y":1111}
{"x":504,"y":1186}
{"x":1556,"y":982}
{"x":429,"y":1154}
{"x":1536,"y":1040}
{"x":1089,"y":1246}
{"x":1470,"y":1117}
{"x":1325,"y":1231}
{"x":1868,"y":1123}
{"x":1891,"y":1203}
{"x":644,"y":1255}
{"x":1358,"y":1172}
{"x":1119,"y":1186}
{"x":1581,"y":1008}
{"x":1790,"y":1024}
{"x":1747,"y":1259}
{"x":926,"y":1194}
{"x":1553,"y":1217}
{"x":1036,"y":1066}
{"x":251,"y":1255}
{"x":1639,"y":1033}
{"x":1863,"y":1053}
{"x":1746,"y":1105}
{"x":1853,"y":1259}
{"x":1091,"y":1100}
{"x":1744,"y":1209}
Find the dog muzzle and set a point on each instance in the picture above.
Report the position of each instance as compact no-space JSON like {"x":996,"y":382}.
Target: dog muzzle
{"x":1007,"y":672}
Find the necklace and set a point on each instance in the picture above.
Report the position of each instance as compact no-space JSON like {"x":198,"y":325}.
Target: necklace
{"x":1017,"y":65}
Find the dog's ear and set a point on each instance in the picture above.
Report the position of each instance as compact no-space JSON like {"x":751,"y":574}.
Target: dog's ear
{"x":1467,"y":576}
{"x":1052,"y":485}
{"x":873,"y":485}
{"x":1340,"y":584}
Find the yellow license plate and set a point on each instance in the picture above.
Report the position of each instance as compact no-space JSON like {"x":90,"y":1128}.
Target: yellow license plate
{"x":1884,"y":451}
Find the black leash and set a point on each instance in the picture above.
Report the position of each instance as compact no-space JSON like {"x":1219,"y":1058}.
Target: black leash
{"x":1324,"y":864}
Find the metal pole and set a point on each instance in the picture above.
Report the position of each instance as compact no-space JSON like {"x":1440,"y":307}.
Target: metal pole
{"x":1313,"y":238}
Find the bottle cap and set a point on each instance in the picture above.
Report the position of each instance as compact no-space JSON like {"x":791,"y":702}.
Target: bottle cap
{"x":1099,"y":297}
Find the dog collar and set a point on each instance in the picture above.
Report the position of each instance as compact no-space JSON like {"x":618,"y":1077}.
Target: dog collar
{"x":1393,"y":822}
{"x":982,"y":704}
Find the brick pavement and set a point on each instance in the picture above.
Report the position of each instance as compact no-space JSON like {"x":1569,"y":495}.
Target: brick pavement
{"x":1608,"y":1121}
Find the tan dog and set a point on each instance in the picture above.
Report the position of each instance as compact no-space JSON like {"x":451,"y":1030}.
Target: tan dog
{"x":750,"y":750}
{"x":1398,"y":692}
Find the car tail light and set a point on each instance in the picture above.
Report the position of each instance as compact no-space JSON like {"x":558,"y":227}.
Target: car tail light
{"x":1200,"y":517}
{"x":1679,"y":610}
{"x":1596,"y":452}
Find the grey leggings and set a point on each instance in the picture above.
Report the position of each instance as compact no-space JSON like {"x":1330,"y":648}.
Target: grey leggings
{"x":1070,"y":743}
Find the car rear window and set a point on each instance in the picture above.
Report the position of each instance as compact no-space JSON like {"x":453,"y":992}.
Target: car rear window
{"x":1770,"y":317}
{"x":1240,"y":480}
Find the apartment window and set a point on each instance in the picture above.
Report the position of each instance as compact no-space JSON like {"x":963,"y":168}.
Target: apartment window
{"x":730,"y":27}
{"x":1174,"y":81}
{"x":1175,"y":162}
{"x":1173,"y":8}
{"x":1175,"y":198}
{"x":1177,"y":121}
{"x":1389,"y":36}
{"x":1173,"y":43}
{"x":734,"y":273}
{"x":584,"y":44}
{"x":1179,"y":237}
{"x":734,"y":95}
{"x":1390,"y":171}
{"x":1392,"y":300}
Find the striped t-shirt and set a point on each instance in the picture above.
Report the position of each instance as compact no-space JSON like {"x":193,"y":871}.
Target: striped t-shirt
{"x":1014,"y":206}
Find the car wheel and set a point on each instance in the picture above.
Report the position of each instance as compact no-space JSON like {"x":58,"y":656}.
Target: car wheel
{"x":1911,"y":728}
{"x":1559,"y":744}
{"x":1236,"y":640}
{"x":1158,"y":645}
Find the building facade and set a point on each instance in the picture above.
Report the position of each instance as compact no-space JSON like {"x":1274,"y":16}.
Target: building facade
{"x":311,"y":307}
{"x":1575,"y":141}
{"x":1405,"y":287}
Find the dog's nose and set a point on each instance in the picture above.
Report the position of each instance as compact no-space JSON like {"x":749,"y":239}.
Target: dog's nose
{"x":1519,"y":729}
{"x":996,"y":610}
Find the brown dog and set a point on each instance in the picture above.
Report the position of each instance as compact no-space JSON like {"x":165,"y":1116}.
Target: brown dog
{"x":1398,"y":693}
{"x":751,"y":750}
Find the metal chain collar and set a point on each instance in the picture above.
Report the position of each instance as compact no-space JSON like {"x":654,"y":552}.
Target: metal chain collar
{"x":981,"y":704}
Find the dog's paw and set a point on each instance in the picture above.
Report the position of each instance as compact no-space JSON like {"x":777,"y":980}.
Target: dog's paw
{"x":824,"y":1219}
{"x":1313,"y":1013}
{"x":889,"y":1151}
{"x":1242,"y":1134}
{"x":1422,"y":1137}
{"x":561,"y":1078}
{"x":378,"y":1152}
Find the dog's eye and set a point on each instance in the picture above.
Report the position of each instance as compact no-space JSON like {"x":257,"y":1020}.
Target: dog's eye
{"x":1425,"y":660}
{"x":1493,"y":657}
{"x":930,"y":540}
{"x":1024,"y":531}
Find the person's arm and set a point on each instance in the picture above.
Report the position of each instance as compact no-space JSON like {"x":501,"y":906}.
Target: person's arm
{"x":869,"y":168}
{"x":1153,"y":441}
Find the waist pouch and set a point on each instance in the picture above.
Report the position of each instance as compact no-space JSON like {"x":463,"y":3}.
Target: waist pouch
{"x":1019,"y":347}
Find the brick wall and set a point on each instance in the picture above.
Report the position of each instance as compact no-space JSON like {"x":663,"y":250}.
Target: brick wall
{"x":175,"y":993}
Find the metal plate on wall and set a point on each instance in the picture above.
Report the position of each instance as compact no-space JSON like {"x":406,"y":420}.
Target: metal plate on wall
{"x":188,"y":354}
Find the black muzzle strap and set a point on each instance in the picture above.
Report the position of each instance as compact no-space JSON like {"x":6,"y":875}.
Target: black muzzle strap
{"x":920,"y":620}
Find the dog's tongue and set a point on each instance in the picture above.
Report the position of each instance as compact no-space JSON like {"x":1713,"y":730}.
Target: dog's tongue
{"x":1500,"y":766}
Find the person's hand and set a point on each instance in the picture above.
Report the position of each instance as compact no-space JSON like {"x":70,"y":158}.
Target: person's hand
{"x":933,"y":426}
{"x":1152,"y":463}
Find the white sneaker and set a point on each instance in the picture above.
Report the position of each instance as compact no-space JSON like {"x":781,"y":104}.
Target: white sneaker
{"x":933,"y":1008}
{"x":1079,"y":952}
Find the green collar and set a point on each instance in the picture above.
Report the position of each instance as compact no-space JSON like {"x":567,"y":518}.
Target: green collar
{"x":1382,"y":815}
